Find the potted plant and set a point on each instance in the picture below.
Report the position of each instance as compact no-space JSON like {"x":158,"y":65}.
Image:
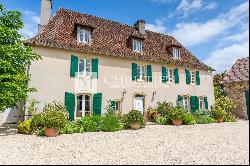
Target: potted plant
{"x":176,"y":115}
{"x":55,"y":118}
{"x":135,"y":119}
{"x":218,"y":114}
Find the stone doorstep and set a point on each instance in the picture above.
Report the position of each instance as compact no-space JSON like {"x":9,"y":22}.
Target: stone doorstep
{"x":7,"y":131}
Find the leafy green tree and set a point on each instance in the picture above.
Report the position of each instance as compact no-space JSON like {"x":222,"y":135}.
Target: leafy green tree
{"x":218,"y":87}
{"x":15,"y":58}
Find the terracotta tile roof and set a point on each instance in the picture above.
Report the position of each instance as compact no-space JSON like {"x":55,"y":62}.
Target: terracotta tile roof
{"x":111,"y":38}
{"x":238,"y":72}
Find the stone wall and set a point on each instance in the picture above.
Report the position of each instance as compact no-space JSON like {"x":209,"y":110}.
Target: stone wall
{"x":236,"y":91}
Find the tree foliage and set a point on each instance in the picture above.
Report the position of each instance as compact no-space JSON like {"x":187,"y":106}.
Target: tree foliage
{"x":15,"y":58}
{"x":218,"y":87}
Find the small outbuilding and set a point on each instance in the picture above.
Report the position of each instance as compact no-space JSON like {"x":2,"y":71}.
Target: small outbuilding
{"x":236,"y":83}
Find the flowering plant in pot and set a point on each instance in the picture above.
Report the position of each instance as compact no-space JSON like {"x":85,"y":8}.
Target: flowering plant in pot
{"x":176,"y":115}
{"x":218,"y":113}
{"x":135,"y":119}
{"x":55,"y":117}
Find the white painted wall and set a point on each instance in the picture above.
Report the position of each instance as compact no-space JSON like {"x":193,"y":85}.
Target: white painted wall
{"x":51,"y":78}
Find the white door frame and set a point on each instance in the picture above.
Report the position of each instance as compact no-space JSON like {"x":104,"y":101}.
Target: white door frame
{"x":142,"y":98}
{"x":83,"y":103}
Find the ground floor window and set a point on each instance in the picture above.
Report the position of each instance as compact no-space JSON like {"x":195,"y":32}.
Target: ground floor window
{"x":83,"y":106}
{"x":186,"y":102}
{"x":201,"y":103}
{"x":116,"y":105}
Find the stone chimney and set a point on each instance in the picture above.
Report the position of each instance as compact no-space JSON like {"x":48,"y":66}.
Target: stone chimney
{"x":46,"y":10}
{"x":140,"y":26}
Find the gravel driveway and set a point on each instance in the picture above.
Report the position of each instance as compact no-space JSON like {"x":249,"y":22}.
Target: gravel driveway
{"x":226,"y":143}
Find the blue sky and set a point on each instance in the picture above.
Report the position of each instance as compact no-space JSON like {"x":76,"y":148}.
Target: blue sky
{"x":216,"y":31}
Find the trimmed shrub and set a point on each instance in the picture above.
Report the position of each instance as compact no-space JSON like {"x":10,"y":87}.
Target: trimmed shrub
{"x":110,"y":123}
{"x":135,"y":116}
{"x":37,"y":123}
{"x":24,"y":127}
{"x":164,"y":107}
{"x":188,"y":119}
{"x":225,"y":107}
{"x":161,"y":120}
{"x":176,"y":113}
{"x":55,"y":115}
{"x":70,"y":128}
{"x":90,"y":123}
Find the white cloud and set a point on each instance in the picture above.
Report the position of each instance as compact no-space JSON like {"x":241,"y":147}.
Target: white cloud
{"x":31,"y":21}
{"x":185,"y":7}
{"x":210,"y":6}
{"x":196,"y":33}
{"x":237,"y":37}
{"x":157,"y":27}
{"x":223,"y":59}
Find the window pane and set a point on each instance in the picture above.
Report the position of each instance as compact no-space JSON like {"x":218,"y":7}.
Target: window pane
{"x":142,"y":72}
{"x":138,"y":72}
{"x":81,"y":65}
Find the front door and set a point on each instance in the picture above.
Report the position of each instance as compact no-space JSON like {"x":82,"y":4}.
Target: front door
{"x":139,"y":104}
{"x":83,"y":106}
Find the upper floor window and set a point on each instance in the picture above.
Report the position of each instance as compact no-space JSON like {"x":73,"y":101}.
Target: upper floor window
{"x":137,"y":45}
{"x":176,"y":53}
{"x":84,"y":67}
{"x":141,"y":72}
{"x":192,"y":77}
{"x":170,"y":77}
{"x":84,"y":35}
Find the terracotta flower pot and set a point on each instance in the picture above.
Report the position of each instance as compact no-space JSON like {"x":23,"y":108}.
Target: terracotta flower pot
{"x":177,"y":122}
{"x":219,"y":119}
{"x":135,"y":126}
{"x":51,"y":132}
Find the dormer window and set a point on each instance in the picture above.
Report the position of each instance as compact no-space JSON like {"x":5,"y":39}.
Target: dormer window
{"x":137,"y":45}
{"x":176,"y":53}
{"x":83,"y":35}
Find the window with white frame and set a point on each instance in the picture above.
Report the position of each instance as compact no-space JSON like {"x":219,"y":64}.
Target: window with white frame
{"x":186,"y":102}
{"x":170,"y":77}
{"x":83,"y":106}
{"x":137,"y":45}
{"x":84,"y":67}
{"x":201,"y":103}
{"x":140,"y":72}
{"x":84,"y":35}
{"x":192,"y":77}
{"x":176,"y":53}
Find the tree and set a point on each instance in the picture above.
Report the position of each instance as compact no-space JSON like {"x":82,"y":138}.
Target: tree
{"x":218,"y":87}
{"x":15,"y":58}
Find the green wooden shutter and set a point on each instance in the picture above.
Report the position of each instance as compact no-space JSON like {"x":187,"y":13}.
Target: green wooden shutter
{"x":180,"y":100}
{"x":134,"y":71}
{"x":113,"y":105}
{"x":95,"y":64}
{"x":73,"y":66}
{"x":176,"y":75}
{"x":194,"y":103}
{"x":70,"y":104}
{"x":206,"y":102}
{"x":198,"y":81}
{"x":188,"y":77}
{"x":97,"y":104}
{"x":164,"y":73}
{"x":149,"y":73}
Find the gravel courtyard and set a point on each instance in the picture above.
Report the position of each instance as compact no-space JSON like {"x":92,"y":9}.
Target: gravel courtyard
{"x":226,"y":143}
